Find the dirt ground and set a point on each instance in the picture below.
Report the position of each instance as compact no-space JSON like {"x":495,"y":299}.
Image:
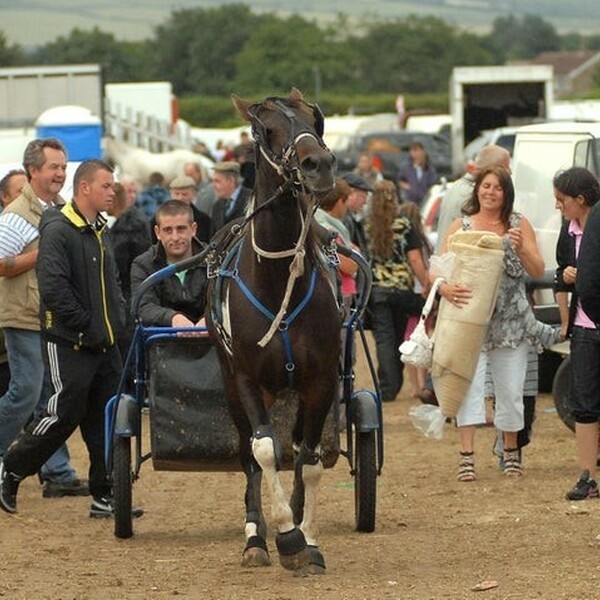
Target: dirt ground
{"x":435,"y":538}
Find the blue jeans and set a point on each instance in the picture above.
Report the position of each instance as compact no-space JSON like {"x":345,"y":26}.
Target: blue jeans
{"x":27,"y":390}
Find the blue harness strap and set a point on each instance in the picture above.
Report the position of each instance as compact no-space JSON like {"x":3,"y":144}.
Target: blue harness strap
{"x":233,"y":273}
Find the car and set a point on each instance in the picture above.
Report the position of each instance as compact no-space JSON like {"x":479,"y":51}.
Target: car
{"x":390,"y":148}
{"x":502,"y":136}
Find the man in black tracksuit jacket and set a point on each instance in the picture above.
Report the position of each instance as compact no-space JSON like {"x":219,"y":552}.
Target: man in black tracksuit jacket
{"x":81,"y":309}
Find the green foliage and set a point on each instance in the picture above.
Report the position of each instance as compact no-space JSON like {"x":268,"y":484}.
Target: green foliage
{"x":207,"y":54}
{"x":10,"y":56}
{"x":415,"y":55}
{"x":196,"y":49}
{"x":524,"y":38}
{"x":121,"y":61}
{"x":218,"y":111}
{"x":292,"y":52}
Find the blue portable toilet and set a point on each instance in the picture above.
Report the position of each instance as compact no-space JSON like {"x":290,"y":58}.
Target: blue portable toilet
{"x":76,"y":127}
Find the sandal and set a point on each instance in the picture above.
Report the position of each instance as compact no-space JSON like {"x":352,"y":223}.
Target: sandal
{"x":512,"y":463}
{"x":466,"y":467}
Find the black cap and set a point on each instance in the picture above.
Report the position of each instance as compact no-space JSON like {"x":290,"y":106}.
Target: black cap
{"x":356,"y":181}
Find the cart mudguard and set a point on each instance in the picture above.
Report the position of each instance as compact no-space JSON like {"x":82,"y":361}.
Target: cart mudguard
{"x":127,"y":418}
{"x":364,"y":412}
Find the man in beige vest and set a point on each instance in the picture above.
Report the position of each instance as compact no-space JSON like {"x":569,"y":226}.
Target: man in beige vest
{"x":45,"y":162}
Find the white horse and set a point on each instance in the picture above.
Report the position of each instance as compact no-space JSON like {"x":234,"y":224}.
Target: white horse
{"x":140,"y":163}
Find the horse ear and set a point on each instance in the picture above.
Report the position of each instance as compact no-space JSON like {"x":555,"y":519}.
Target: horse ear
{"x":241,"y":106}
{"x":296,"y":94}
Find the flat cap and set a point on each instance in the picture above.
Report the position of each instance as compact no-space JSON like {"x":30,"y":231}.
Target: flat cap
{"x":183,"y":181}
{"x":228,"y":166}
{"x":356,"y":181}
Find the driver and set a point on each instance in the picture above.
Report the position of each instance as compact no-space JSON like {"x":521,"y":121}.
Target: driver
{"x":177,"y":301}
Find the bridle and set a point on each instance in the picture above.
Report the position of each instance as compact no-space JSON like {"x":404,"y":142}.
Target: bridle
{"x":286,"y":162}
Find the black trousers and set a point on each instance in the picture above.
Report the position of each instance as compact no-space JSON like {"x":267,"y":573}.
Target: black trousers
{"x":82,"y":383}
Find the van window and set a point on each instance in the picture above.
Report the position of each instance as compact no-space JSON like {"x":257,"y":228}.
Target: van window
{"x":587,"y":154}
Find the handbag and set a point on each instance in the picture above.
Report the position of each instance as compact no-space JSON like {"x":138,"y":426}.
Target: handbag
{"x":417,"y":350}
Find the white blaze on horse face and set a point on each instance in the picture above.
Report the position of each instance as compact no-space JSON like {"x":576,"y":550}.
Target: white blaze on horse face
{"x":264,"y":454}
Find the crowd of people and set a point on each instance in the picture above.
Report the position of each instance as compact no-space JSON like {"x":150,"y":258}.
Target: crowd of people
{"x":68,"y":273}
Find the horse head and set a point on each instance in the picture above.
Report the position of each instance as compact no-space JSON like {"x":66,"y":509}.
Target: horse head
{"x":289,"y":136}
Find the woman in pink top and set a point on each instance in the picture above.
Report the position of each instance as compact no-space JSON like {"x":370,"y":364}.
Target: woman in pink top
{"x":576,"y":190}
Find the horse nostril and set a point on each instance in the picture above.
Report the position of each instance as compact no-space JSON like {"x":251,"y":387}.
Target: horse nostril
{"x":309,"y":164}
{"x":317,"y":162}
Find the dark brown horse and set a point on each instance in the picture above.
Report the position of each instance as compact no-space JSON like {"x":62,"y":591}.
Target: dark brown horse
{"x":274,"y":316}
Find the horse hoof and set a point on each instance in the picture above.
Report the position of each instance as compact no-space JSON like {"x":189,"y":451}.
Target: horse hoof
{"x":316,"y":563}
{"x":256,"y":553}
{"x":296,"y":562}
{"x":255,"y":557}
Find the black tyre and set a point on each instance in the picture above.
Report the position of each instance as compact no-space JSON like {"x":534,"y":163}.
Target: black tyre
{"x":365,"y":480}
{"x":122,"y":486}
{"x":561,"y":389}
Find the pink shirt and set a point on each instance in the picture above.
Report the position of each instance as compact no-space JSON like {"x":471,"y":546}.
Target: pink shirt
{"x":581,"y":319}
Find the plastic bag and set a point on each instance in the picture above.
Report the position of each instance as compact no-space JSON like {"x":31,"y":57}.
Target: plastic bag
{"x":441,"y":266}
{"x":428,"y":419}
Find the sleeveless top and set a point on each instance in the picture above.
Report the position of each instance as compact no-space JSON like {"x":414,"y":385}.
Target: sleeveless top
{"x":513,"y":321}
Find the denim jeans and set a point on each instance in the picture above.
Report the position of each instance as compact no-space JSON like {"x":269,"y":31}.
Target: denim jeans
{"x":26,"y":391}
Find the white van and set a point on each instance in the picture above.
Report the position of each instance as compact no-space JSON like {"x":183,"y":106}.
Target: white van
{"x":540,"y":151}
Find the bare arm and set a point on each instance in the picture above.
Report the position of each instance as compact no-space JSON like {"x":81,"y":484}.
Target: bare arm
{"x":12,"y":266}
{"x":415,"y":259}
{"x":523,"y":240}
{"x":562,"y":300}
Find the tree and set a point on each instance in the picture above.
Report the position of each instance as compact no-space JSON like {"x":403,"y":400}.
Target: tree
{"x":122,"y":61}
{"x":10,"y":55}
{"x":293,"y":52}
{"x":196,"y":49}
{"x":415,"y":55}
{"x":525,"y":38}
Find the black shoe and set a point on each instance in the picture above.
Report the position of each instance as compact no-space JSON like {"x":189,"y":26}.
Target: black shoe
{"x":56,"y":489}
{"x":103,"y":508}
{"x":585,"y":488}
{"x":9,"y":485}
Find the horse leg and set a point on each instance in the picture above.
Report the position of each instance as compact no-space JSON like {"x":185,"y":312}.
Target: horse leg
{"x":256,"y":553}
{"x":307,"y":478}
{"x":290,"y":541}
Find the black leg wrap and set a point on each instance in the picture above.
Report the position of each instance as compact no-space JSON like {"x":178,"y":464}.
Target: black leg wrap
{"x":256,"y":541}
{"x":290,"y":543}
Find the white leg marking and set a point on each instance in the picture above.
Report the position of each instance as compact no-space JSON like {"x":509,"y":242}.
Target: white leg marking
{"x":250,"y":530}
{"x":311,"y":476}
{"x":264,"y":453}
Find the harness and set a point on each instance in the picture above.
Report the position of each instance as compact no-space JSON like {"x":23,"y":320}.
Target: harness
{"x":226,"y":265}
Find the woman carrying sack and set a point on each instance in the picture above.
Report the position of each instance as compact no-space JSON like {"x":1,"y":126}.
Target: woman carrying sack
{"x":512,"y":326}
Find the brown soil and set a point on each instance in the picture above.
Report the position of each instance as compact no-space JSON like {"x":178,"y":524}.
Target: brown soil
{"x":435,"y":537}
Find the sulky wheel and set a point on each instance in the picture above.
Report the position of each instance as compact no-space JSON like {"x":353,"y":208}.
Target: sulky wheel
{"x":122,"y":484}
{"x":365,"y":480}
{"x":560,"y":390}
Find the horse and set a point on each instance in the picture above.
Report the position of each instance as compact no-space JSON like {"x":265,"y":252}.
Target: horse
{"x":139,"y":163}
{"x":274,"y":316}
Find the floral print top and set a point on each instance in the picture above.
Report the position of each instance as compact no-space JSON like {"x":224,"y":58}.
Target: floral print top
{"x":513,"y":321}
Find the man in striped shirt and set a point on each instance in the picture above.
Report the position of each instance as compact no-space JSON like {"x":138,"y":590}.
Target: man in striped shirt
{"x":45,"y":162}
